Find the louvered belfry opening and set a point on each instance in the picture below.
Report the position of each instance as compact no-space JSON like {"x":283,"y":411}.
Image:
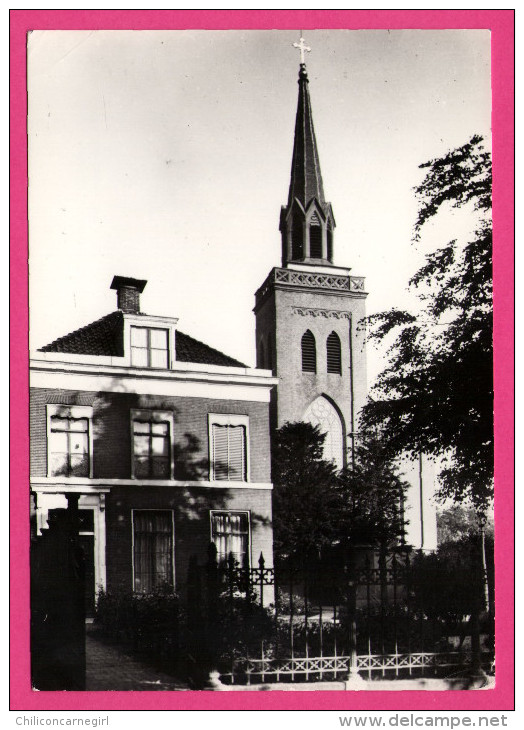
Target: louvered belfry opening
{"x":229,"y":453}
{"x":334,"y":364}
{"x":309,"y":353}
{"x":315,"y":238}
{"x":297,"y":238}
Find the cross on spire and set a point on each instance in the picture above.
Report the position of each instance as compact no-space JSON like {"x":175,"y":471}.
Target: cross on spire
{"x":301,"y":45}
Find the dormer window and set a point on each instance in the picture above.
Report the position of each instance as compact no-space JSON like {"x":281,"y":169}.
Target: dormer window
{"x":149,"y":347}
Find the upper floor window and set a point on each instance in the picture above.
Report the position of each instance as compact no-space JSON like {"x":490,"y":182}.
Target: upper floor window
{"x":69,"y":440}
{"x":152,"y":550}
{"x":149,"y":347}
{"x":309,"y":353}
{"x":334,"y":364}
{"x":152,"y":448}
{"x":228,"y":439}
{"x":230,"y":534}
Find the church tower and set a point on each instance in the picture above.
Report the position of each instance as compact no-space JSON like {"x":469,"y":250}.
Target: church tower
{"x":308,"y":311}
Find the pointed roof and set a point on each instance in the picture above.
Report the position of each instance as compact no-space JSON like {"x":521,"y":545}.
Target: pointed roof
{"x":105,"y":337}
{"x":306,"y":178}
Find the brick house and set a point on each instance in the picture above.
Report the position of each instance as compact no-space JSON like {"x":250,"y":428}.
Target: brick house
{"x":165,"y":439}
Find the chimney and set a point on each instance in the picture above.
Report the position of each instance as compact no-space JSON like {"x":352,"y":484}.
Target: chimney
{"x":128,"y":293}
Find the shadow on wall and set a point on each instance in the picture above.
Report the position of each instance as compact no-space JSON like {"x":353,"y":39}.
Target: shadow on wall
{"x":113,"y":453}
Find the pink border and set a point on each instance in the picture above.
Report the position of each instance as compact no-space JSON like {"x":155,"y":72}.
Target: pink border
{"x":501,"y":23}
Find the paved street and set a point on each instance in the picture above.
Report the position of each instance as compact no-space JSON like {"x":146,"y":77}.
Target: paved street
{"x":108,"y":668}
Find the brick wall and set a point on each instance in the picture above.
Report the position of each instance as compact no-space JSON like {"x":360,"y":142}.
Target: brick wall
{"x":277,"y":317}
{"x":112,"y":430}
{"x":128,"y":299}
{"x":191,"y":508}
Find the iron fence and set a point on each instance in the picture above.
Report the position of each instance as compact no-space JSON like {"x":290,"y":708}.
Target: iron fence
{"x":318,"y":620}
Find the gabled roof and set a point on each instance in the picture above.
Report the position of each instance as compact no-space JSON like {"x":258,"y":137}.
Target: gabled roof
{"x":106,"y":337}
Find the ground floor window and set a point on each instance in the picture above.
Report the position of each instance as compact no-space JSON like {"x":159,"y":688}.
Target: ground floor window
{"x":152,"y":550}
{"x":230,"y":533}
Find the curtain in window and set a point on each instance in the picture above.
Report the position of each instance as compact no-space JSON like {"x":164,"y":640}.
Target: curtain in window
{"x":229,"y":452}
{"x":153,"y":550}
{"x":230,"y":533}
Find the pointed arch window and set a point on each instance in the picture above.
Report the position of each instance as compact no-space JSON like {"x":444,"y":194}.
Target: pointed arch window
{"x":334,"y":363}
{"x":322,"y":413}
{"x":309,"y":353}
{"x":315,"y":237}
{"x":297,"y":237}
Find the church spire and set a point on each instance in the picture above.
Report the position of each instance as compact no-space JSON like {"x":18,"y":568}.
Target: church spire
{"x":307,"y":222}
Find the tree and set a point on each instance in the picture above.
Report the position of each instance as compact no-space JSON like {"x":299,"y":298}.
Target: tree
{"x":373,"y":494}
{"x":436,"y":393}
{"x":462,"y":528}
{"x":459,"y":522}
{"x":305,"y":496}
{"x":451,"y":582}
{"x":315,"y":507}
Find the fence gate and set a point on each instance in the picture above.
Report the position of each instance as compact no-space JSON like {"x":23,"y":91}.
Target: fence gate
{"x":58,"y":604}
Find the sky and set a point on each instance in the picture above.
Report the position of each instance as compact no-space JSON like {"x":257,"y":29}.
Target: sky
{"x":166,"y":156}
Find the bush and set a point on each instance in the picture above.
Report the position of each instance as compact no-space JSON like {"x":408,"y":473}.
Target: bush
{"x":148,"y":622}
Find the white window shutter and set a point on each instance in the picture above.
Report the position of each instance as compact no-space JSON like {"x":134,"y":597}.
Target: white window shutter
{"x":229,"y":452}
{"x":220,"y":452}
{"x":237,"y":466}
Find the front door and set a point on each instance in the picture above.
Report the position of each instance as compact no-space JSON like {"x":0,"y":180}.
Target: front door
{"x":86,"y":540}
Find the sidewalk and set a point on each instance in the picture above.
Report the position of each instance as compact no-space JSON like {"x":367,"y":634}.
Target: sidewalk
{"x":108,"y":668}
